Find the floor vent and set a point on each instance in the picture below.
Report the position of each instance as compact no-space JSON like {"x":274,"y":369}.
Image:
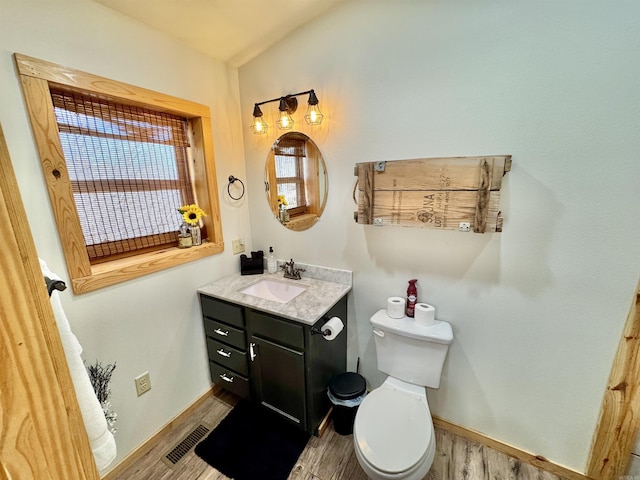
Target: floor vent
{"x":186,"y":444}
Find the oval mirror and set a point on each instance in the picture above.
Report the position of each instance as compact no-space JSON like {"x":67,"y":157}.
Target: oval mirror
{"x":296,"y":181}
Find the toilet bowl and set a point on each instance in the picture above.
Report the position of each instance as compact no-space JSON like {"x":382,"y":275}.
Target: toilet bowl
{"x":393,"y":433}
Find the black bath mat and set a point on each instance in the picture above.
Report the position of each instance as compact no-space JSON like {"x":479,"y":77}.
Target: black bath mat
{"x":252,"y":443}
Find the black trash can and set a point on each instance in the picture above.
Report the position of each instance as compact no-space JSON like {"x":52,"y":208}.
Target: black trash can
{"x":346,"y":392}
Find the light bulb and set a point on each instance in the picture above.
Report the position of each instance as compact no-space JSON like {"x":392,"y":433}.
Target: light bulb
{"x":258,"y":126}
{"x":314,"y":115}
{"x":285,"y":122}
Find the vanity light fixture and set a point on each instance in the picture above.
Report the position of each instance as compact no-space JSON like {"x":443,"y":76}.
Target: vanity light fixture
{"x":314,"y":115}
{"x":258,"y":126}
{"x":287,"y":105}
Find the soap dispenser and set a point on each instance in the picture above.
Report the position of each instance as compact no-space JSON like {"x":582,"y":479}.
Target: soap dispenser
{"x":272,"y":264}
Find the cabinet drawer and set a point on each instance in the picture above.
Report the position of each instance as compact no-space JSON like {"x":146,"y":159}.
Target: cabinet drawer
{"x":230,"y":380}
{"x":225,"y":333}
{"x":221,"y":311}
{"x":228,"y":356}
{"x":280,"y":331}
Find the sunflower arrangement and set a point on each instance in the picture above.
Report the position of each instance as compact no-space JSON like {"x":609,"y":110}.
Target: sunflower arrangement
{"x":283,"y":214}
{"x":191,"y":214}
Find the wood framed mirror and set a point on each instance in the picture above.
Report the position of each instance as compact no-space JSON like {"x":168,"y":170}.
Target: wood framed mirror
{"x":296,"y":181}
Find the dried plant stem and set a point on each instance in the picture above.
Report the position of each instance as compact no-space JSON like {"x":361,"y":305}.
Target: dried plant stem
{"x":100,"y":376}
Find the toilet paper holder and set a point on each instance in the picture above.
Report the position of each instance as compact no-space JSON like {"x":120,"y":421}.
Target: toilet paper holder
{"x":317,"y":331}
{"x":330,"y":329}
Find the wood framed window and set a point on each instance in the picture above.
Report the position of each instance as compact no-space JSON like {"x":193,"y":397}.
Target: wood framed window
{"x":118,"y":161}
{"x":129,"y":172}
{"x":290,"y":158}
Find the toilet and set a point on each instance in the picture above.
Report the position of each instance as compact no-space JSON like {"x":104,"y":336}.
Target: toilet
{"x":393,"y":432}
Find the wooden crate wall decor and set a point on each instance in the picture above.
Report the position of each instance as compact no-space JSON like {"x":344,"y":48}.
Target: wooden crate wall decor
{"x":451,"y":193}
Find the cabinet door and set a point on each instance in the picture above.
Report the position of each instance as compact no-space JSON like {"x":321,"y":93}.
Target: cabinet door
{"x":277,"y":373}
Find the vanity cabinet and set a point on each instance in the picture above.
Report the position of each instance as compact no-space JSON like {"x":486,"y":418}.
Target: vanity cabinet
{"x":288,"y":368}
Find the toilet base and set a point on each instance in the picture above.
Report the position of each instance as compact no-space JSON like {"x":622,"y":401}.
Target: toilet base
{"x":418,"y":472}
{"x":420,"y":469}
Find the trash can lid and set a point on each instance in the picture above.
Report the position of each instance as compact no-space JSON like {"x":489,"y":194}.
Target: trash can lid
{"x":347,"y":385}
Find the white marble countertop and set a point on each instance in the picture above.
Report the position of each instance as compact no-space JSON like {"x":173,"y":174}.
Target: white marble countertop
{"x":321,"y":293}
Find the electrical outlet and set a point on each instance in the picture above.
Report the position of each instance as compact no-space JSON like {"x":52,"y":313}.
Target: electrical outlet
{"x":143,"y":383}
{"x":237,"y":245}
{"x":464,"y":227}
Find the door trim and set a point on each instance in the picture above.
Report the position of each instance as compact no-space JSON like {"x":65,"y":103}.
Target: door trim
{"x":620,"y":412}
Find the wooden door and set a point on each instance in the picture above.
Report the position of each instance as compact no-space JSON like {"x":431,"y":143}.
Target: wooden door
{"x":42,"y":434}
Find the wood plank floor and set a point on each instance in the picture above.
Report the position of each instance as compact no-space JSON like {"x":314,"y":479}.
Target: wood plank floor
{"x":330,"y":457}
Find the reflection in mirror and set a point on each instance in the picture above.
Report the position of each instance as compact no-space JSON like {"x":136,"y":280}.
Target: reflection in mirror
{"x":296,"y":181}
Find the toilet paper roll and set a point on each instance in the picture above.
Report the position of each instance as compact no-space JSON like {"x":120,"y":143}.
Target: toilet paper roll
{"x":395,"y":307}
{"x":334,"y":326}
{"x":424,"y":314}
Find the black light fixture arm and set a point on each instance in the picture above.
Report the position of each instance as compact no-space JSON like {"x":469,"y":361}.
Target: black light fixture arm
{"x":312,"y":97}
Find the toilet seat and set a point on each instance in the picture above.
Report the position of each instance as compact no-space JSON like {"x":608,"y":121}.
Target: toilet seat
{"x":393,"y":430}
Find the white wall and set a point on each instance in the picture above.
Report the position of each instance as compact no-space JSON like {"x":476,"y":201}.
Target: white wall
{"x":537,"y":310}
{"x":152,"y":323}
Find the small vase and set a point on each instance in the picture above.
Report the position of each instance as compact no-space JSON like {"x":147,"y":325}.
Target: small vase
{"x":283,"y":215}
{"x":184,"y":237}
{"x":196,"y":236}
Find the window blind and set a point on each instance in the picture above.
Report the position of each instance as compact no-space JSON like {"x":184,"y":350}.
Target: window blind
{"x":128,"y":169}
{"x":289,"y":156}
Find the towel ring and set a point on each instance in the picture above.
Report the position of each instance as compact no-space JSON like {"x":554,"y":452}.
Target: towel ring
{"x":232,"y":180}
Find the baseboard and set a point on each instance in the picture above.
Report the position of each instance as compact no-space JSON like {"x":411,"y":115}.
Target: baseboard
{"x":139,"y":452}
{"x":535,"y":460}
{"x":324,"y":424}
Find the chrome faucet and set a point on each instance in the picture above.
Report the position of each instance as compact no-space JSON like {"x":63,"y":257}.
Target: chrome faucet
{"x":290,"y":271}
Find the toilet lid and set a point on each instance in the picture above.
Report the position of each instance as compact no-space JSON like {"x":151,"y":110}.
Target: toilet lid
{"x":393,"y":430}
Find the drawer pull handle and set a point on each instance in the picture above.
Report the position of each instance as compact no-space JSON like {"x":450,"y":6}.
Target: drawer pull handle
{"x":251,"y":351}
{"x":223,"y":353}
{"x":222,"y":333}
{"x":226,"y":379}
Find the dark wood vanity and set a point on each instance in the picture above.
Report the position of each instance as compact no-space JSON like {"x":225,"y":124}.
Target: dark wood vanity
{"x":277,"y":362}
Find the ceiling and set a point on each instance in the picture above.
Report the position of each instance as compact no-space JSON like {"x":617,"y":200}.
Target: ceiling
{"x":232,"y":31}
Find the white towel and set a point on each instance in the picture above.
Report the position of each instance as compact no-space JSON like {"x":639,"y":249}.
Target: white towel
{"x":102,"y":442}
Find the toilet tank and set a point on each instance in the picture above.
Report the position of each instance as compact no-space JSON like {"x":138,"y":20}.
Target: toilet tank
{"x":411,"y":352}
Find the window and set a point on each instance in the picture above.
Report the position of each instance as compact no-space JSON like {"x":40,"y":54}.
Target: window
{"x":128,"y":170}
{"x":290,"y":157}
{"x":118,"y":161}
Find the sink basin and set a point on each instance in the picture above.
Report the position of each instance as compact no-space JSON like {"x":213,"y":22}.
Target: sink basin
{"x":274,"y":290}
